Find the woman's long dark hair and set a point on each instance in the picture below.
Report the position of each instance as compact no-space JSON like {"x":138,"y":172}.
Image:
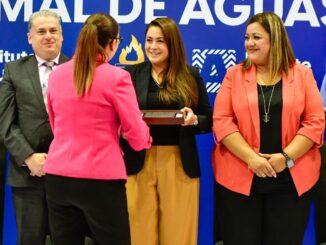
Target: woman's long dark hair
{"x":281,"y":56}
{"x":178,"y":82}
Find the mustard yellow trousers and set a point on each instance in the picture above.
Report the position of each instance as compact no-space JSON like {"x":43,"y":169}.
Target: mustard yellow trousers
{"x":163,"y":201}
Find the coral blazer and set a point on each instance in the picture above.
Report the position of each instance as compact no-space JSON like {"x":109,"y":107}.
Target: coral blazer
{"x":87,"y":129}
{"x":236,"y":109}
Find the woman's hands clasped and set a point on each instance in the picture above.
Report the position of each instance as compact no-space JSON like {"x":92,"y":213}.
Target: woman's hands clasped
{"x":276,"y":160}
{"x":261,"y":166}
{"x":267,"y":165}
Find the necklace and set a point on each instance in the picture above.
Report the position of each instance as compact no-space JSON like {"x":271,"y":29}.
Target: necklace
{"x":155,"y":78}
{"x":266,"y":115}
{"x":157,"y":84}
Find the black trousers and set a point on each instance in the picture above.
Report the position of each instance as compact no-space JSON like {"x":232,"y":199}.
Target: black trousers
{"x":269,"y":216}
{"x":75,"y":204}
{"x":30,"y":214}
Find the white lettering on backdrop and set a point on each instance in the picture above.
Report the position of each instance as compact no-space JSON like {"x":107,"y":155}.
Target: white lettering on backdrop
{"x":194,"y":10}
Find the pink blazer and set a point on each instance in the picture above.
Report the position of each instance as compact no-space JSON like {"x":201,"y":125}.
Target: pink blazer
{"x":236,"y":109}
{"x":87,"y":129}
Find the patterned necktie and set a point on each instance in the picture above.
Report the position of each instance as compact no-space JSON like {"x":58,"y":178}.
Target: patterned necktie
{"x":48,"y":68}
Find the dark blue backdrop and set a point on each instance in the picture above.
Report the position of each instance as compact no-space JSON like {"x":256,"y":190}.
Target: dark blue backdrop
{"x":213,"y":33}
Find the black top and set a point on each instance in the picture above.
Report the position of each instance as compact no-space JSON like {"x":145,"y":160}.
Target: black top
{"x":161,"y":134}
{"x":271,"y":136}
{"x":141,"y":77}
{"x":270,"y":132}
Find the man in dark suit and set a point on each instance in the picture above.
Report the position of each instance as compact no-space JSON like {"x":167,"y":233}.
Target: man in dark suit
{"x":24,"y":124}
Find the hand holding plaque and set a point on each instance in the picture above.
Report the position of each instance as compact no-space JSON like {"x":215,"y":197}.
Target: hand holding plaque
{"x":163,"y":117}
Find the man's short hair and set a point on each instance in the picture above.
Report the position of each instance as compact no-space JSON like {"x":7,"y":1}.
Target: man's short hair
{"x":44,"y":13}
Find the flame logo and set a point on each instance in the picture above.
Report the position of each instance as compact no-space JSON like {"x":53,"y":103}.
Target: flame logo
{"x":134,"y":46}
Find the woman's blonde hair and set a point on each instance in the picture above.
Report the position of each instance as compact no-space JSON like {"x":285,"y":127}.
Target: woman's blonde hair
{"x":281,"y":56}
{"x":98,"y":31}
{"x":178,"y":82}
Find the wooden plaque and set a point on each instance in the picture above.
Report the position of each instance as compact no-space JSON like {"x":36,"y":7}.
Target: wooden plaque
{"x":163,"y":117}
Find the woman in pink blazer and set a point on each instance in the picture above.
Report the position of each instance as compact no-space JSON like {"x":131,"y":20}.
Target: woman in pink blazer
{"x":90,"y":102}
{"x":268,"y":123}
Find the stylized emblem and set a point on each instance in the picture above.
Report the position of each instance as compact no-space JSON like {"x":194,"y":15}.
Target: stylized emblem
{"x":212,"y":64}
{"x":132,"y":53}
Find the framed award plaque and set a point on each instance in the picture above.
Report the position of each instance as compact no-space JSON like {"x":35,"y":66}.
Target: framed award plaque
{"x":163,"y":117}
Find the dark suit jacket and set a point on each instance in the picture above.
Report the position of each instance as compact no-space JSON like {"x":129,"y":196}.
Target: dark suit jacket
{"x":24,"y":123}
{"x":140,"y":74}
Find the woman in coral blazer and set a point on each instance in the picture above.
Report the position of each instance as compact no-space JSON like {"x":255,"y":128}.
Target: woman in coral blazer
{"x":90,"y":102}
{"x":268,"y":122}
